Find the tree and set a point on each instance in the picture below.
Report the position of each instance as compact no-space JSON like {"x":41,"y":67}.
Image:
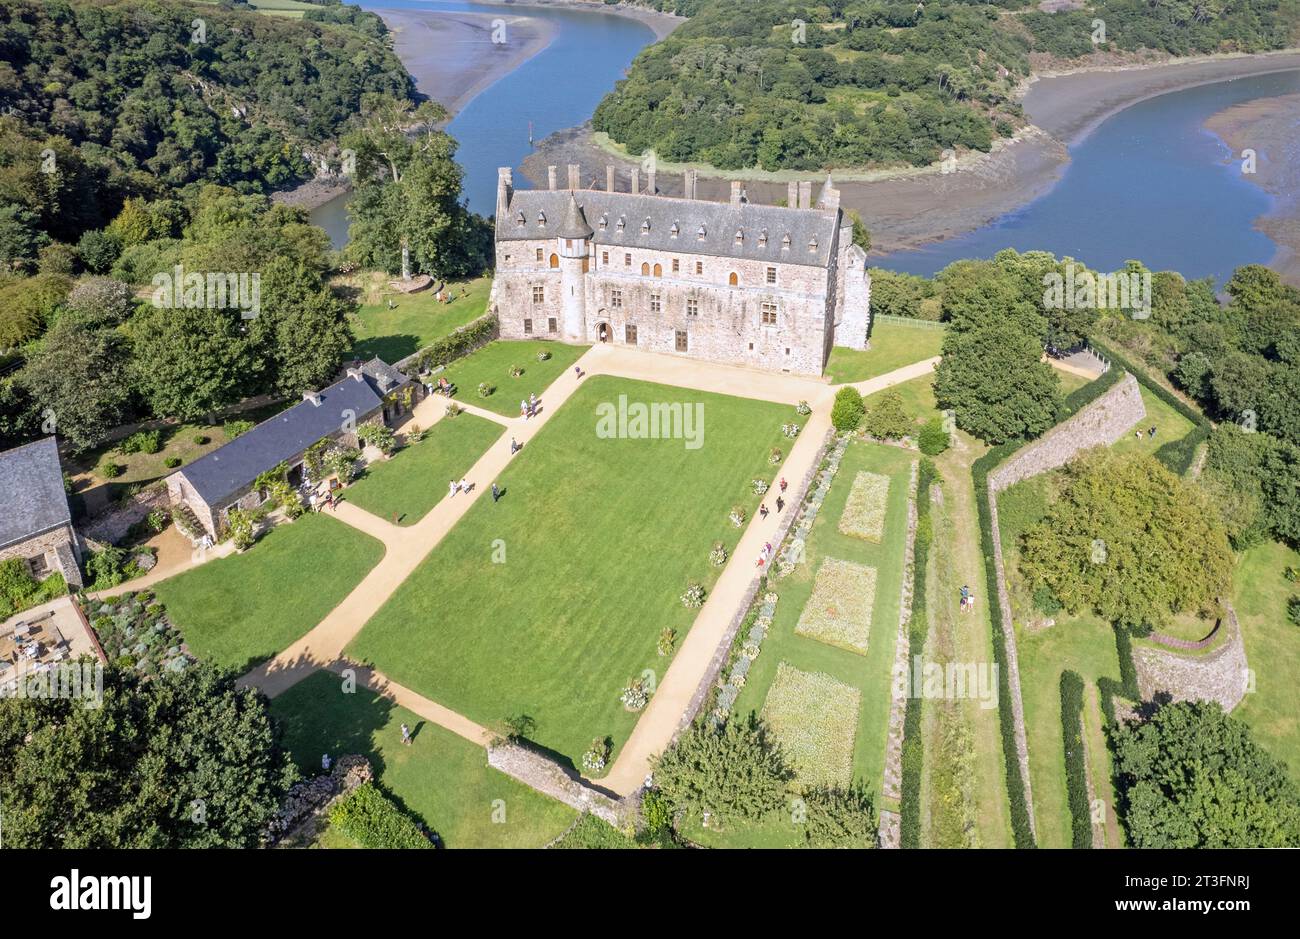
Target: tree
{"x":302,"y":330}
{"x":184,"y":760}
{"x":733,"y":772}
{"x":996,"y":384}
{"x":78,"y":376}
{"x":887,"y":418}
{"x":100,"y":301}
{"x":934,"y":437}
{"x":1192,"y":777}
{"x":861,"y":235}
{"x":20,"y":236}
{"x":847,"y":411}
{"x":840,"y":818}
{"x":1129,"y":539}
{"x":27,"y":306}
{"x":190,"y":361}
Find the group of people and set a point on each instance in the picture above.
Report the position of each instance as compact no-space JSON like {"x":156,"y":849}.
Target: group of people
{"x":317,"y":502}
{"x":528,"y":407}
{"x":454,"y":487}
{"x":765,"y":555}
{"x":1151,"y":432}
{"x":967,"y":599}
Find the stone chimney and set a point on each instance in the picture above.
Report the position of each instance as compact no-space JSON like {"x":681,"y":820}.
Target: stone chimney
{"x":356,"y":374}
{"x":505,"y":190}
{"x":575,"y":181}
{"x":635,"y":173}
{"x":805,"y":194}
{"x":688,"y":184}
{"x":830,"y":197}
{"x":550,"y":177}
{"x":650,"y":182}
{"x":736,"y":190}
{"x":792,"y":194}
{"x":312,"y":396}
{"x":609,"y":177}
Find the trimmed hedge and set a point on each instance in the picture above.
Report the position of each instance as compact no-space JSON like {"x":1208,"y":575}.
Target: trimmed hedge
{"x":1177,"y":455}
{"x":460,"y":343}
{"x":1076,"y":780}
{"x":980,"y":469}
{"x":909,"y":809}
{"x":373,"y":820}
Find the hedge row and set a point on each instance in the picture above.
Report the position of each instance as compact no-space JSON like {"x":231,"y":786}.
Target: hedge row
{"x":913,"y":749}
{"x":1127,"y":686}
{"x":373,"y":820}
{"x":980,"y":469}
{"x":458,"y":344}
{"x":1177,"y":455}
{"x":1076,"y":780}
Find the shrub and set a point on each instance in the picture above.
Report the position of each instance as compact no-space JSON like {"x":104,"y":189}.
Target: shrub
{"x":157,"y":520}
{"x":172,"y":462}
{"x":933,"y":438}
{"x":485,"y":389}
{"x":201,"y":439}
{"x":1293,"y":610}
{"x":760,"y":486}
{"x":656,"y":811}
{"x":775,"y":456}
{"x":234,"y":428}
{"x":667,"y":639}
{"x":454,"y":409}
{"x":693,"y":598}
{"x":803,"y":408}
{"x":840,"y":818}
{"x":597,"y":755}
{"x":847,"y":411}
{"x":379,"y":436}
{"x":241,"y":528}
{"x":886,"y":418}
{"x":737,"y":515}
{"x":790,"y":430}
{"x":20,"y":590}
{"x":1076,"y":782}
{"x":635,"y":695}
{"x":373,"y":820}
{"x":108,"y":568}
{"x":110,"y":470}
{"x":460,"y":343}
{"x":142,"y":441}
{"x":516,"y":371}
{"x":718,"y":554}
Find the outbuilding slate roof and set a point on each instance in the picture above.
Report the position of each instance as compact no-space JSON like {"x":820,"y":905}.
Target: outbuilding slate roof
{"x":536,"y":214}
{"x":32,"y":499}
{"x":228,"y":469}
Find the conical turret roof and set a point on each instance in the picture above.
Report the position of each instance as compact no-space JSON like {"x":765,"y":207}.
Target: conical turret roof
{"x":575,"y":223}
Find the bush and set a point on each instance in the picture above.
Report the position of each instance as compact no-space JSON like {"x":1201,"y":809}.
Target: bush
{"x":718,"y":554}
{"x":693,"y":598}
{"x":597,"y":755}
{"x":485,"y":389}
{"x":886,"y":418}
{"x":370,"y":818}
{"x":847,"y":411}
{"x":20,"y":590}
{"x":775,"y":456}
{"x":656,"y":811}
{"x":635,"y":695}
{"x":380,"y":436}
{"x":202,"y":439}
{"x":460,"y":343}
{"x":241,"y":528}
{"x":667,"y":639}
{"x":110,"y":470}
{"x":516,"y":371}
{"x":933,"y":439}
{"x":108,"y":568}
{"x":1076,"y":782}
{"x":543,"y":355}
{"x":234,"y":428}
{"x":840,"y":818}
{"x":172,"y":462}
{"x":142,"y":441}
{"x":1293,"y":611}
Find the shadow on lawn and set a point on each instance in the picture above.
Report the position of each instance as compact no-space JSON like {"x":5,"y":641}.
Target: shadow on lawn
{"x":389,"y":348}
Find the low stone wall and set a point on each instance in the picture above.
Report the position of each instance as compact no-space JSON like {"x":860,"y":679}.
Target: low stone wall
{"x":112,"y":526}
{"x":550,"y":778}
{"x":1099,"y":424}
{"x":1221,"y":675}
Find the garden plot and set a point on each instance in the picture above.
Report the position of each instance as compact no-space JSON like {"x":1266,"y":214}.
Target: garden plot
{"x":839,"y":611}
{"x":864,"y":512}
{"x":815,"y":719}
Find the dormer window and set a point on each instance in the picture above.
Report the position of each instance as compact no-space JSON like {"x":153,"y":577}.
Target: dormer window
{"x":645,"y":226}
{"x":520,"y":220}
{"x":762,"y":238}
{"x":604,"y":222}
{"x":672,"y":232}
{"x":622,"y":223}
{"x":785,"y":242}
{"x":740,"y":237}
{"x":541,"y":219}
{"x":700,"y":233}
{"x":812,"y":244}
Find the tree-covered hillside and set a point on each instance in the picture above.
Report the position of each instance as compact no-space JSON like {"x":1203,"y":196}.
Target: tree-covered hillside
{"x":105,"y":99}
{"x":782,"y":84}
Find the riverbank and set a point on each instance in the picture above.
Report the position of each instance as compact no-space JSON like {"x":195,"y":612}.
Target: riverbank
{"x":661,"y":23}
{"x":1268,"y":127}
{"x":910,"y":208}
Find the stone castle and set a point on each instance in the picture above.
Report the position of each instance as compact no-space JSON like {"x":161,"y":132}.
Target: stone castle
{"x":769,"y":287}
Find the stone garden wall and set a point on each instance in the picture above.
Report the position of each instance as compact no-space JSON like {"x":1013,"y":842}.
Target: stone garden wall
{"x":549,"y":778}
{"x":112,"y":526}
{"x":1221,"y":675}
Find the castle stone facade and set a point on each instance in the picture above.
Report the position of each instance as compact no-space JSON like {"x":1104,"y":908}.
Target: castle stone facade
{"x":769,"y":287}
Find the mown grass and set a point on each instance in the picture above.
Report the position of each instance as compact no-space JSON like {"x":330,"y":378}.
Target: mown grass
{"x":893,"y":345}
{"x":492,"y":364}
{"x":416,"y":319}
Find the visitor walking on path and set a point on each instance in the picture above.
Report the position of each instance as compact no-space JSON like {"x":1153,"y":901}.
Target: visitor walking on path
{"x":496,"y":493}
{"x":523,"y":409}
{"x":577,"y":371}
{"x":514,"y":447}
{"x":464,"y":486}
{"x":762,"y":509}
{"x":406,"y":735}
{"x":452,"y":489}
{"x":783,"y":484}
{"x":780,"y":505}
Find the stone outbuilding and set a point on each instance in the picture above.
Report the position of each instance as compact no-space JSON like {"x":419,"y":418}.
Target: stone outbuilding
{"x":35,"y":521}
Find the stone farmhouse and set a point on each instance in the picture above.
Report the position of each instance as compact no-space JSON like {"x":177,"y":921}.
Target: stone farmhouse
{"x":35,"y":522}
{"x":769,"y":287}
{"x":224,"y":479}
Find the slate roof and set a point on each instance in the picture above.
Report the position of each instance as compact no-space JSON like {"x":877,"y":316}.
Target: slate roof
{"x":386,"y":377}
{"x":32,"y":499}
{"x":545,"y":215}
{"x":230,"y":468}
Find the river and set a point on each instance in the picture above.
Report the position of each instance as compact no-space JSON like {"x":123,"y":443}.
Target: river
{"x":1148,"y":183}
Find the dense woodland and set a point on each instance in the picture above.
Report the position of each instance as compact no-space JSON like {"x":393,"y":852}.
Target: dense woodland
{"x":741,"y":85}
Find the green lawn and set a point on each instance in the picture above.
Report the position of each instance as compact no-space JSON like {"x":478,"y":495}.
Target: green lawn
{"x":917,"y":395}
{"x":871,"y":674}
{"x":1169,"y":425}
{"x":1260,"y":594}
{"x":1084,"y":644}
{"x":416,"y":320}
{"x":1070,"y":381}
{"x":492,"y":364}
{"x":893,"y":345}
{"x":409,"y":484}
{"x":442,"y":778}
{"x":240,"y":610}
{"x":595,"y":541}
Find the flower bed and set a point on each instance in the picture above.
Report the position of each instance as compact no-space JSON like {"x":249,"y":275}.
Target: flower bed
{"x":135,"y":633}
{"x":864,"y":512}
{"x":815,"y":719}
{"x":839,"y":611}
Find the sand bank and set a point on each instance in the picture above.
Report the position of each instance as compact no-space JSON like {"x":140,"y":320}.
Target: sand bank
{"x":1268,"y":126}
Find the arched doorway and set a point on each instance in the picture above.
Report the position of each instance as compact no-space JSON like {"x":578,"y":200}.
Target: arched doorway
{"x":555,"y":260}
{"x":733,"y":280}
{"x":603,"y":332}
{"x":659,"y":270}
{"x":645,"y":269}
